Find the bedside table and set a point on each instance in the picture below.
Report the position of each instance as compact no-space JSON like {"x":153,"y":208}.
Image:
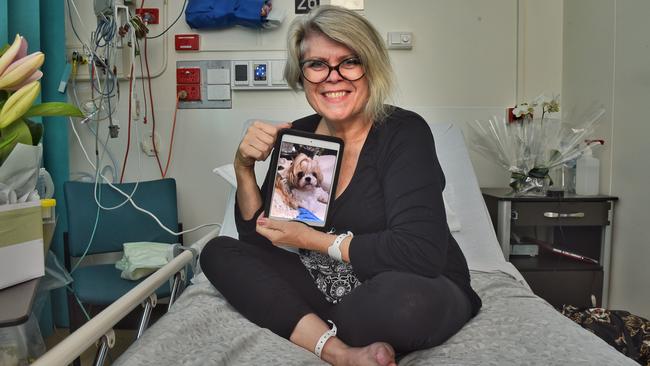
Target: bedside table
{"x":16,"y":303}
{"x":537,"y":228}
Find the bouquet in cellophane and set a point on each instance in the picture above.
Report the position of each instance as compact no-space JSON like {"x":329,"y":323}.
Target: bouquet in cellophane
{"x":529,"y":147}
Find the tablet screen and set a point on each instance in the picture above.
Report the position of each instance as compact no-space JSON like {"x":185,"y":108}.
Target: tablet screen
{"x":306,"y":170}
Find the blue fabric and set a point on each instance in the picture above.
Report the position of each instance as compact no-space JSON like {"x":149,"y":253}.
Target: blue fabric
{"x":306,"y":215}
{"x":4,"y":21}
{"x":102,"y":284}
{"x":55,"y":137}
{"x":23,"y":19}
{"x":217,"y":14}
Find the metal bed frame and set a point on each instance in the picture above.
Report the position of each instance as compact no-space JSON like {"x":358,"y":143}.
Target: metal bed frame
{"x":100,"y":327}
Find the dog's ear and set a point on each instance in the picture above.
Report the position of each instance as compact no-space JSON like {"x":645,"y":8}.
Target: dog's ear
{"x":291,"y":174}
{"x":317,"y":172}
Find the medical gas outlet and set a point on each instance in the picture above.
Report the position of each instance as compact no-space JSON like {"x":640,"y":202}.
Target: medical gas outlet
{"x":209,"y":83}
{"x":203,"y":84}
{"x":188,"y":83}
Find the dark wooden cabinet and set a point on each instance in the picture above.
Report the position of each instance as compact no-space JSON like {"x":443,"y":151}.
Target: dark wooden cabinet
{"x":561,"y":245}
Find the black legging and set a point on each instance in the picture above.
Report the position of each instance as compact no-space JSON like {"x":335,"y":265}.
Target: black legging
{"x":272,"y":288}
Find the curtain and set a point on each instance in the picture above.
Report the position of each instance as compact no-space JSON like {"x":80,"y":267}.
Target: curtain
{"x":42,"y":23}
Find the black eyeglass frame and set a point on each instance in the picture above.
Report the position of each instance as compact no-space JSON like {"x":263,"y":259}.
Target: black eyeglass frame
{"x":331,"y":68}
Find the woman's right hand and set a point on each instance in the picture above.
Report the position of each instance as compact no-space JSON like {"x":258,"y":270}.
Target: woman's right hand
{"x":257,"y":143}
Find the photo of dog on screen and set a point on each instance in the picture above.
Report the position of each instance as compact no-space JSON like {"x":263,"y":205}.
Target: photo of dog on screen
{"x":303,"y":182}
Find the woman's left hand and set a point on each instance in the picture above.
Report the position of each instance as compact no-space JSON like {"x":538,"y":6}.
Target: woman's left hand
{"x":288,"y":233}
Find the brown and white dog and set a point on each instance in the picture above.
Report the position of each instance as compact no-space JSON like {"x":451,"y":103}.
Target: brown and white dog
{"x":304,"y":180}
{"x":282,"y":189}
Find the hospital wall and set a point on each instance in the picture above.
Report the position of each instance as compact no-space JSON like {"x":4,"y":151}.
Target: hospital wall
{"x":470,"y":60}
{"x":606,"y":58}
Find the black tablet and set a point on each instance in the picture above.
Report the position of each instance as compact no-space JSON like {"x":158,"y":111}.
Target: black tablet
{"x":306,"y":168}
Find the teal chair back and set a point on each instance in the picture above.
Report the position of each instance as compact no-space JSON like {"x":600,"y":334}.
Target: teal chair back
{"x":121,"y":225}
{"x":98,"y":285}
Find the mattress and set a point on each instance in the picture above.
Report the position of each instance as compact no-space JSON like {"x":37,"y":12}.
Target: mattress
{"x":514,"y":327}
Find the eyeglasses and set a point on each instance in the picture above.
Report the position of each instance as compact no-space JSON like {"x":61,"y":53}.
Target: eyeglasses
{"x":316,"y":71}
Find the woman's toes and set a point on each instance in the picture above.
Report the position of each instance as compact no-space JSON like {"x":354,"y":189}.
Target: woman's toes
{"x":384,"y":354}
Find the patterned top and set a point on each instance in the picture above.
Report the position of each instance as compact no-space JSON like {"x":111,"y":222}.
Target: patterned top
{"x":333,"y":278}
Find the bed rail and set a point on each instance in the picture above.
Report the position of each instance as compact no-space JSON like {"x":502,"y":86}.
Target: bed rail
{"x":101,"y":326}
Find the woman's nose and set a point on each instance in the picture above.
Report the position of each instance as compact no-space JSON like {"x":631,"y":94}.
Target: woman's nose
{"x":334,"y":76}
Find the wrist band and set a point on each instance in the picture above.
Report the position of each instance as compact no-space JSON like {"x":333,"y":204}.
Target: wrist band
{"x":323,"y":339}
{"x":334,"y":250}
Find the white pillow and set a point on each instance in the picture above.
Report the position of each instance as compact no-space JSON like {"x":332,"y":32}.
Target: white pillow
{"x":227,"y":172}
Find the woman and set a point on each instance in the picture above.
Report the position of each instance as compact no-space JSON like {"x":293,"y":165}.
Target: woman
{"x":395,"y":279}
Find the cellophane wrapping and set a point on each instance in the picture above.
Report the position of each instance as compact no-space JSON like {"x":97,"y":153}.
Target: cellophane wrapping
{"x":531,"y":147}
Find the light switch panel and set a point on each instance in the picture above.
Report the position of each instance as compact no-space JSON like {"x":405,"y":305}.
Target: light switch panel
{"x":218,"y":92}
{"x":218,"y":76}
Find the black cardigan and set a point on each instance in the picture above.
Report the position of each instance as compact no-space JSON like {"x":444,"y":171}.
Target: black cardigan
{"x":393,"y":205}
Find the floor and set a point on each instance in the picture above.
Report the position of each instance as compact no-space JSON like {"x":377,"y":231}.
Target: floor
{"x":123,"y":338}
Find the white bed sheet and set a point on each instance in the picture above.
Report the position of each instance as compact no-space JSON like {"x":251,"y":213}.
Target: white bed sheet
{"x":514,"y":326}
{"x":477,"y":238}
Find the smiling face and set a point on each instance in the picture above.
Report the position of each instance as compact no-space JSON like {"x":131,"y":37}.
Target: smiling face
{"x":337,"y":100}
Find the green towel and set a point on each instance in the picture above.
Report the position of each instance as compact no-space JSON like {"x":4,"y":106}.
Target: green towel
{"x":143,"y":258}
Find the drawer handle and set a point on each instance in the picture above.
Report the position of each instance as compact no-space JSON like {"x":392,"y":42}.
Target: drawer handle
{"x":558,"y":215}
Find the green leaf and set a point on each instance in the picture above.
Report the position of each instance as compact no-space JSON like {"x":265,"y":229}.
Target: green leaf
{"x":17,"y":132}
{"x":36,"y":130}
{"x":20,"y":127}
{"x":7,"y":138}
{"x":7,"y":143}
{"x":53,"y":109}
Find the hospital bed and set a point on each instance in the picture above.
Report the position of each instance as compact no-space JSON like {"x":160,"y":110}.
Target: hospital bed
{"x":514,"y":327}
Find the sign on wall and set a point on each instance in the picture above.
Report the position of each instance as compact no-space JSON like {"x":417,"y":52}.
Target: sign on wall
{"x":304,"y":6}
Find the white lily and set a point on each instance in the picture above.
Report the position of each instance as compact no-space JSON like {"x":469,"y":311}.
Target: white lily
{"x":522,"y":110}
{"x":17,"y":50}
{"x":19,"y":88}
{"x":22,"y":71}
{"x":18,"y":103}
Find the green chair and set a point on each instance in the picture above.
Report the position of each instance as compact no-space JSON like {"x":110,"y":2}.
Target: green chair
{"x":99,"y":285}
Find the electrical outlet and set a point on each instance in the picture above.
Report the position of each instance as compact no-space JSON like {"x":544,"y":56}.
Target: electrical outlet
{"x":400,"y":40}
{"x":149,"y":15}
{"x":193,"y":92}
{"x":146,"y":144}
{"x":188,"y":75}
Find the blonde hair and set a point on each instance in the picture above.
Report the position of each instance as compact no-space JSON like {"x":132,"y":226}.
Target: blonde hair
{"x":355,"y":32}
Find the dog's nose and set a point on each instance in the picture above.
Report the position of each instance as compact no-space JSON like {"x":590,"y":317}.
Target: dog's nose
{"x":308,"y":179}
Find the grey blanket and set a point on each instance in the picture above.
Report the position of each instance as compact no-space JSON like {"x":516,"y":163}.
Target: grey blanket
{"x":514,"y":327}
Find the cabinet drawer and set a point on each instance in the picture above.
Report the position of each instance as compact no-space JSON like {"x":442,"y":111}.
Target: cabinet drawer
{"x":566,"y":287}
{"x":559,"y":213}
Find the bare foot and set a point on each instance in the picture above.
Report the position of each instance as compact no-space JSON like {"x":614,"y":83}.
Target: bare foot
{"x":376,"y":354}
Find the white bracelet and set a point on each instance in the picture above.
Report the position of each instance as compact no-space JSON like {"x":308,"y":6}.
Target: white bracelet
{"x":334,"y":250}
{"x":323,"y":339}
